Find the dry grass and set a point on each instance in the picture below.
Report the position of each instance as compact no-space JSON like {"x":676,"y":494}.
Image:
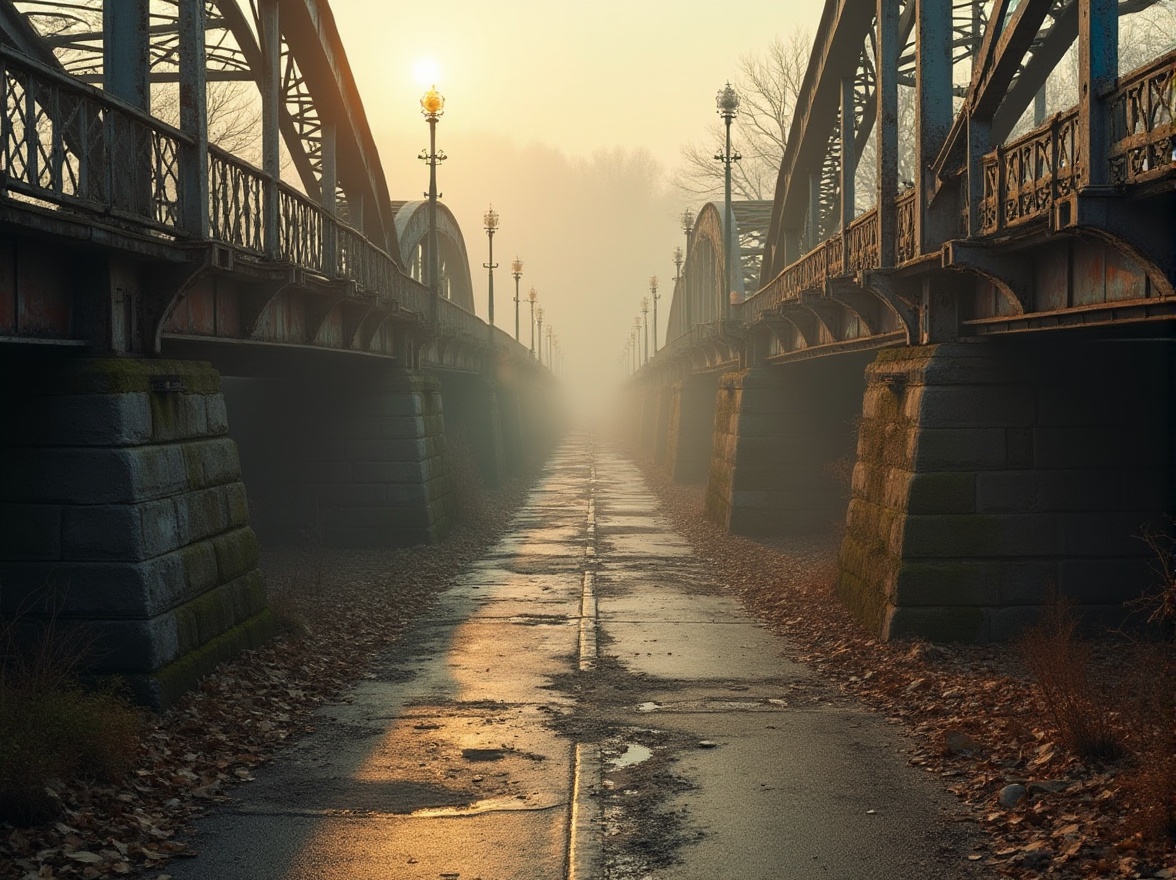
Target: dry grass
{"x":51,"y":729}
{"x":1059,"y":661}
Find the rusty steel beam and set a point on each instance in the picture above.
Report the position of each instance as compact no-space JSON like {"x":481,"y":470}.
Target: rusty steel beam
{"x":841,"y":32}
{"x":310,"y":31}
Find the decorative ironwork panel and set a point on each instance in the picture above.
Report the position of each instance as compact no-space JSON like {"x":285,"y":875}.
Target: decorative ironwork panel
{"x":67,"y":144}
{"x":301,"y":235}
{"x":907,"y":246}
{"x":236,"y":192}
{"x":861,"y":242}
{"x":1023,"y":179}
{"x":1143,"y":123}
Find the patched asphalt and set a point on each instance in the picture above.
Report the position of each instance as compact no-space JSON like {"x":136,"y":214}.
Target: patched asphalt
{"x":586,"y":703}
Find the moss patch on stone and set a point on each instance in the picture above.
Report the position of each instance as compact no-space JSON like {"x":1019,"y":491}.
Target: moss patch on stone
{"x":124,"y":375}
{"x":163,"y":687}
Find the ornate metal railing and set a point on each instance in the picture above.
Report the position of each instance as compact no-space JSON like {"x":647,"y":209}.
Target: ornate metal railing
{"x":1022,"y":181}
{"x":68,"y":145}
{"x":236,"y":202}
{"x":807,"y":273}
{"x":1024,"y":178}
{"x":906,"y":247}
{"x":1143,"y":123}
{"x":862,"y":243}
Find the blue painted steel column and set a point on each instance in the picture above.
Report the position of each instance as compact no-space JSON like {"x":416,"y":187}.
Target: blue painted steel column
{"x":1098,"y":66}
{"x":330,"y":196}
{"x":933,"y":101}
{"x":126,"y":51}
{"x":270,"y":38}
{"x":814,"y":210}
{"x":848,"y":164}
{"x":886,"y":70}
{"x":194,"y":119}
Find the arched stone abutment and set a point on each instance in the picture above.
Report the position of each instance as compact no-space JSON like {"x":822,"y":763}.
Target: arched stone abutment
{"x":990,"y":473}
{"x":783,"y":440}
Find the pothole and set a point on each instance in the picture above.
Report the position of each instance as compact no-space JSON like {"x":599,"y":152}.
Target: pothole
{"x":634,"y":754}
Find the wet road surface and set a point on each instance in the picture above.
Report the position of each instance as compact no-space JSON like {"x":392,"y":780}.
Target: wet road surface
{"x":585,"y":704}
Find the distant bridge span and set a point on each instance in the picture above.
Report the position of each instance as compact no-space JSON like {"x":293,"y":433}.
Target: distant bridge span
{"x":165,"y":302}
{"x":989,"y":459}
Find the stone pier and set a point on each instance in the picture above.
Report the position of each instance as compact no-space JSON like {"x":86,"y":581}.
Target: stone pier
{"x":123,"y":516}
{"x":990,"y":473}
{"x":690,"y":427}
{"x":355,"y":457}
{"x":783,"y":446}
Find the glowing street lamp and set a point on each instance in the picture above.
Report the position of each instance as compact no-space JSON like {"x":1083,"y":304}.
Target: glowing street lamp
{"x":516,"y":269}
{"x":653,"y":292}
{"x":433,"y":108}
{"x":645,"y":324}
{"x":490,"y":218}
{"x":687,"y":227}
{"x":532,"y":297}
{"x":727,"y":104}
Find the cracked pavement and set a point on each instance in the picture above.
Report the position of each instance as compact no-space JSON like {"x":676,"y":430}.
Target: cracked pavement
{"x":586,"y":703}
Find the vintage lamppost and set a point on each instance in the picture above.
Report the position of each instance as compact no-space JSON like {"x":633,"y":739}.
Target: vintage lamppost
{"x":539,"y":318}
{"x":516,"y":269}
{"x":687,"y":227}
{"x":677,"y":256}
{"x":645,"y":324}
{"x":532,"y":297}
{"x":653,"y":293}
{"x":490,"y":218}
{"x":727,"y":103}
{"x":433,"y":108}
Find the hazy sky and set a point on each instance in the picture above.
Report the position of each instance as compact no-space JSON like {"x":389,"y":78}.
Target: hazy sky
{"x":569,"y":117}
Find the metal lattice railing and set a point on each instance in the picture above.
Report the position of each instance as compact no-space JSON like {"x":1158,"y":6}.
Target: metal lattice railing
{"x":1143,"y":123}
{"x":68,"y":146}
{"x":1026,"y":177}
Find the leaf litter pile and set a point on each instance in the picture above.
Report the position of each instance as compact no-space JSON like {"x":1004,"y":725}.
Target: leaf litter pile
{"x":976,"y":716}
{"x":339,"y":610}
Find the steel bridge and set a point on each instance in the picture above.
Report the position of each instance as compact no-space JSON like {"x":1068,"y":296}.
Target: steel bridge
{"x":167,"y":300}
{"x":922,"y":283}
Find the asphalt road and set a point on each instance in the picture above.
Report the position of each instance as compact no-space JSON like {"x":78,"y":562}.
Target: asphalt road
{"x":586,"y":704}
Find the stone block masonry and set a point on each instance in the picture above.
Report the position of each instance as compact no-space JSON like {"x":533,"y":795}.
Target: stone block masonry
{"x":353,"y":458}
{"x":124,"y":517}
{"x":782,"y":436}
{"x":991,"y":473}
{"x":689,"y":427}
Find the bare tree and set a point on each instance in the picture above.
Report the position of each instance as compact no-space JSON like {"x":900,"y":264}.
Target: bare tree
{"x":767,"y":84}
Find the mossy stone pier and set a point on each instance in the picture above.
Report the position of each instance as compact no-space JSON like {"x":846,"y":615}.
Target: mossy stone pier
{"x":991,"y":473}
{"x":124,"y":515}
{"x":988,"y":474}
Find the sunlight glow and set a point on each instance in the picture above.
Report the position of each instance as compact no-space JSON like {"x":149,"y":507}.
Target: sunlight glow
{"x":426,"y":72}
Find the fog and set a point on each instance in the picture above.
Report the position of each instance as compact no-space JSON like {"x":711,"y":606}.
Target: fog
{"x":590,"y":231}
{"x":569,"y":118}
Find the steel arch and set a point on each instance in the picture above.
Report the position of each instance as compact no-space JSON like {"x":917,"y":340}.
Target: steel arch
{"x":412,"y":230}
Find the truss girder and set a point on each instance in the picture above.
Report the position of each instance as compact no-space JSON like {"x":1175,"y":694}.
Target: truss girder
{"x":1014,"y":46}
{"x":316,"y":83}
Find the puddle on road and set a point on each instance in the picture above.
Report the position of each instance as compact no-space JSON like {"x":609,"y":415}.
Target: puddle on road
{"x":634,"y":754}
